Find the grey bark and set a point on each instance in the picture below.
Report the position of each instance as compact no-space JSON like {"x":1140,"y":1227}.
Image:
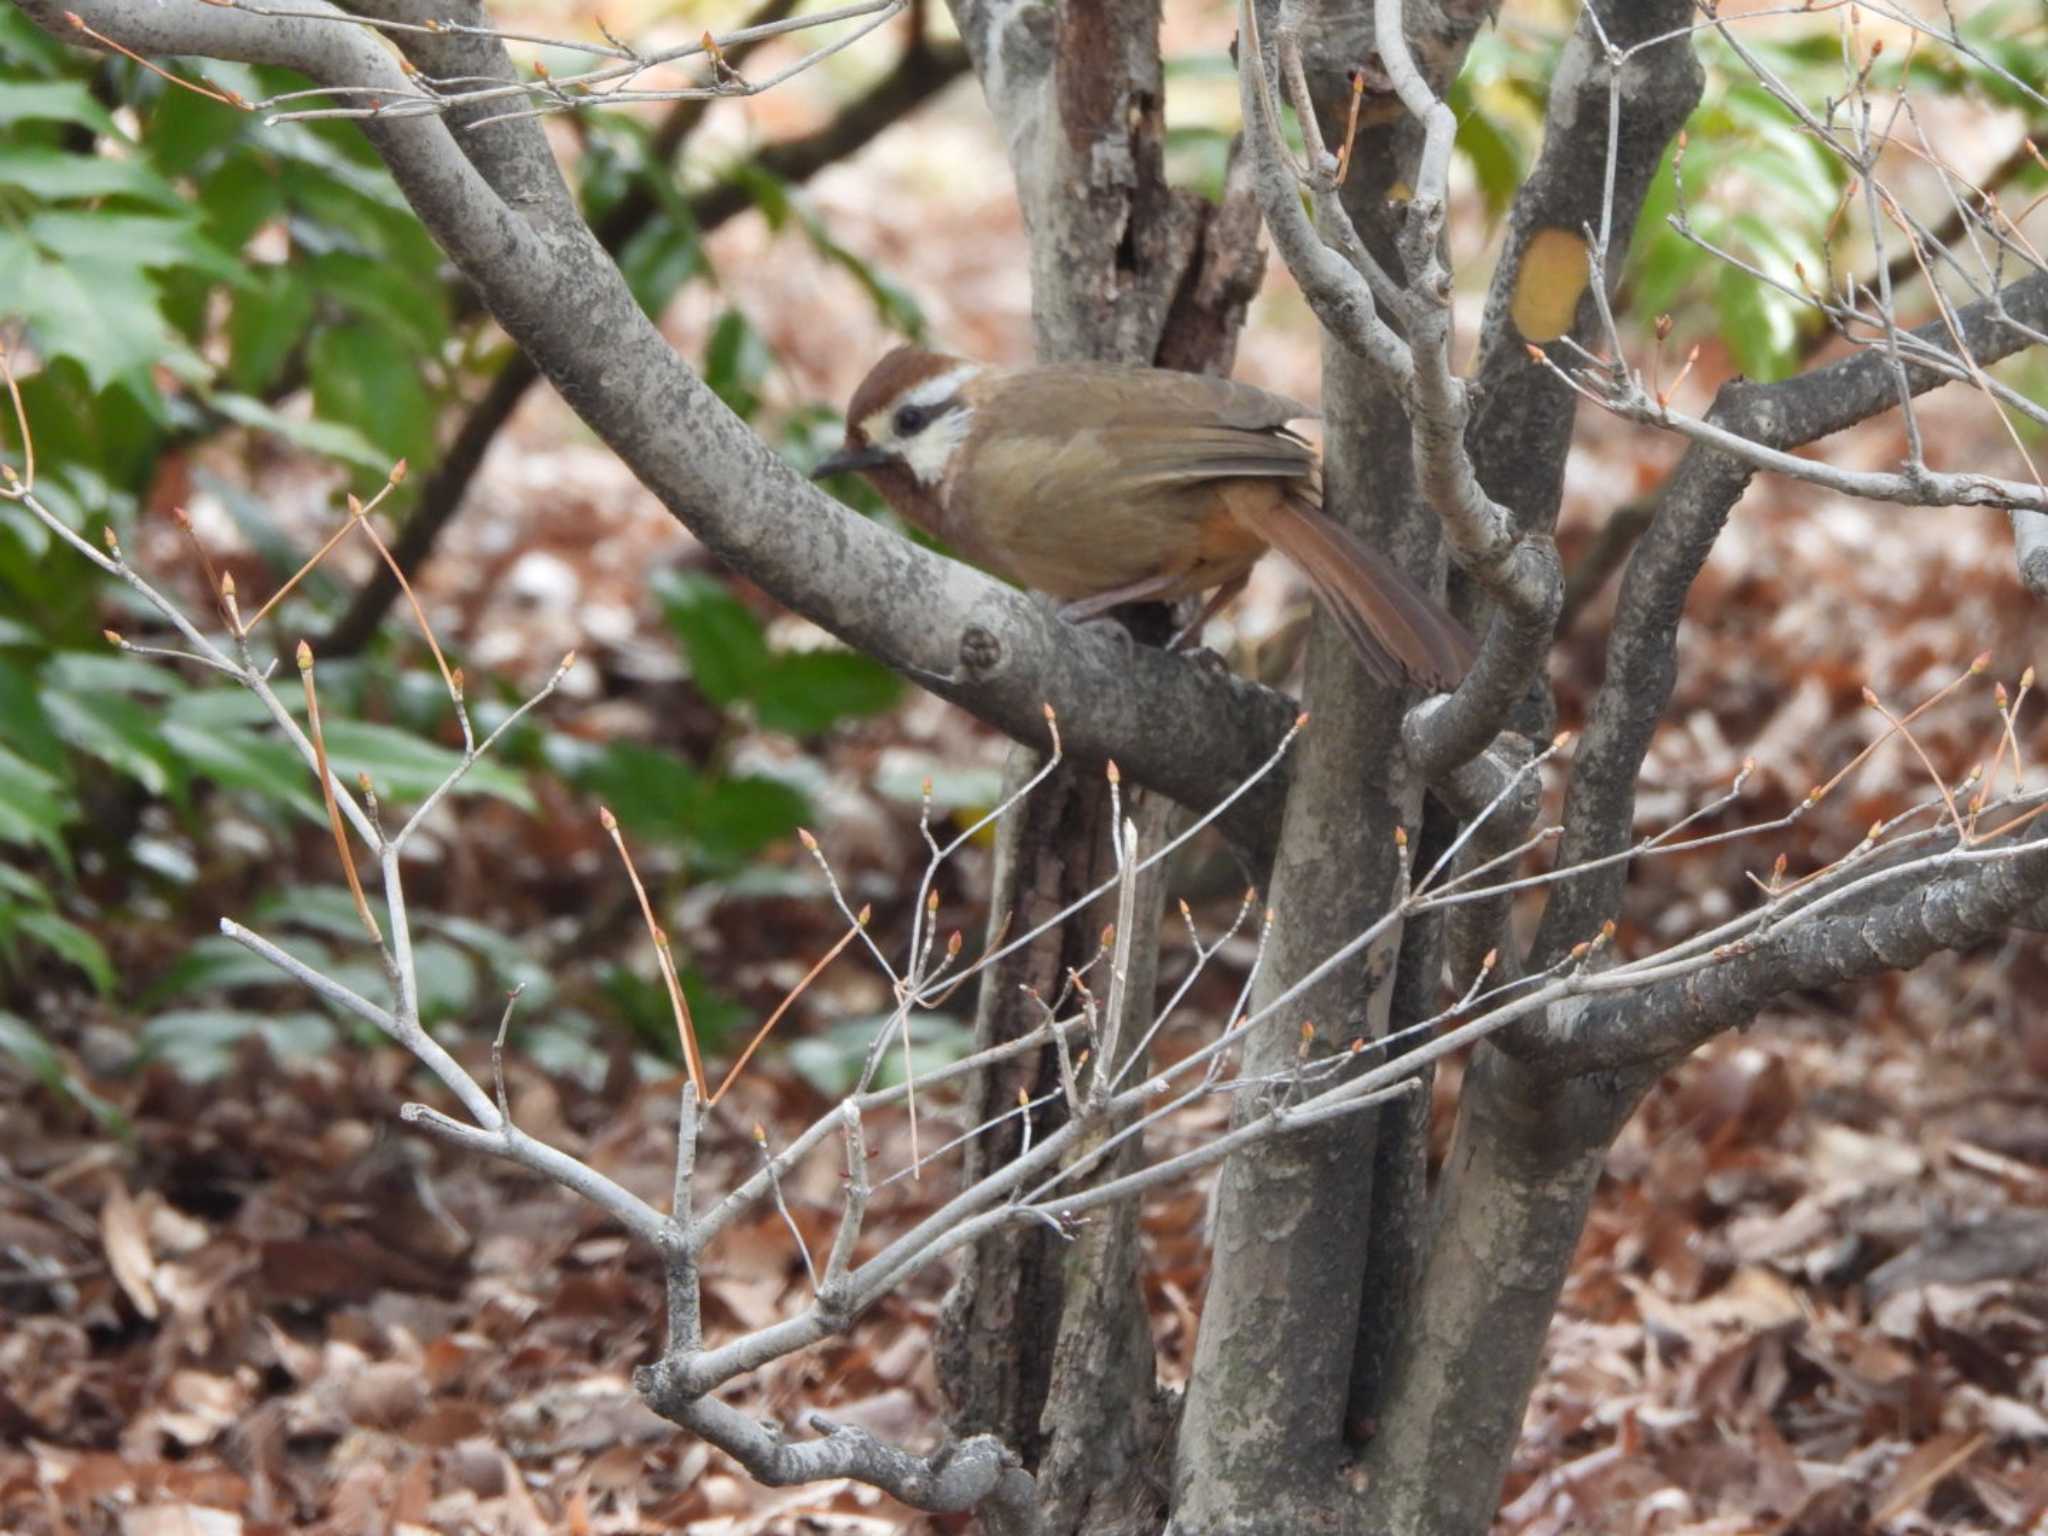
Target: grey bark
{"x":1261,"y":1440}
{"x":1526,"y":1154}
{"x":1691,"y":508}
{"x":1000,"y":1322}
{"x":1056,"y":1346}
{"x":1289,"y":1343}
{"x":1522,"y":430}
{"x":1262,"y":1443}
{"x":1106,"y":1420}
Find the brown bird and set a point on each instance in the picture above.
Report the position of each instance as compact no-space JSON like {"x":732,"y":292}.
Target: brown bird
{"x":1102,"y":484}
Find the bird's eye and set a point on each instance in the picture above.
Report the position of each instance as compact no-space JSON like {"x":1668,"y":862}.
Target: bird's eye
{"x":910,"y":420}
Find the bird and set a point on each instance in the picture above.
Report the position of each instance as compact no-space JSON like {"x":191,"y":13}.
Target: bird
{"x":1101,"y":484}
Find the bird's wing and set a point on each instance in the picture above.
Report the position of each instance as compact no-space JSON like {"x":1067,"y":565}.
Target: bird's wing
{"x":1038,"y":398}
{"x":1150,"y":430}
{"x":1149,"y":457}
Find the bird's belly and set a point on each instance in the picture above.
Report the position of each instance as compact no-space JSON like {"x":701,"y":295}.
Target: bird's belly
{"x":1200,"y":545}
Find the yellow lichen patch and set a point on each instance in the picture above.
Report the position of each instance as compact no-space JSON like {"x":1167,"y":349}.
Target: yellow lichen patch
{"x":1547,"y":289}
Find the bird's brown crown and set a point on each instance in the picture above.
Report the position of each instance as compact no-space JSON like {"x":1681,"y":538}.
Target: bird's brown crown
{"x":899,"y":372}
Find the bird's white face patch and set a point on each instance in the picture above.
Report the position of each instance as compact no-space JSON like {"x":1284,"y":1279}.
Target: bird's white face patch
{"x":937,"y":421}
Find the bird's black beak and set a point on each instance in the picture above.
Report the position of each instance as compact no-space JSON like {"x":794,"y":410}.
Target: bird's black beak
{"x":847,"y":460}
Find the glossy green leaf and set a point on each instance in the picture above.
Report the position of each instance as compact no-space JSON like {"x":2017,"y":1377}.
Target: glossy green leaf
{"x":653,"y":793}
{"x":54,"y":101}
{"x":376,"y":290}
{"x":60,"y":176}
{"x":104,"y":312}
{"x":70,"y":943}
{"x":28,"y":1050}
{"x":200,"y":1043}
{"x":736,"y":363}
{"x":327,"y":439}
{"x":806,"y":692}
{"x":152,"y":241}
{"x":216,"y":963}
{"x":508,"y":962}
{"x":271,"y":315}
{"x":1760,"y":325}
{"x":35,"y":806}
{"x":724,"y":643}
{"x":24,"y":728}
{"x":405,"y":768}
{"x":111,"y":672}
{"x":733,"y":818}
{"x":236,"y":759}
{"x":240,"y":198}
{"x":1494,"y":156}
{"x":365,"y":376}
{"x":118,"y":732}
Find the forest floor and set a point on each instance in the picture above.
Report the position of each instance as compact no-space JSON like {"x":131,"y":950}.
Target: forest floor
{"x":1812,"y":1296}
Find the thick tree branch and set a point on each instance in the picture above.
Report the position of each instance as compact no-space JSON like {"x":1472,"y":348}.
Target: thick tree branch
{"x":1692,"y":507}
{"x":1604,"y":133}
{"x":513,"y":154}
{"x":1368,"y":311}
{"x":976,"y":1474}
{"x":1969,"y":896}
{"x":920,"y":74}
{"x":1173,"y":725}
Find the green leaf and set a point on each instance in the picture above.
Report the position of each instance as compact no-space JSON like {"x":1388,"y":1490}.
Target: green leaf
{"x":778,"y":204}
{"x":723,"y":641}
{"x":217,"y":963}
{"x":658,"y":260}
{"x":116,"y":672}
{"x":405,"y":768}
{"x":643,"y":1005}
{"x":272,"y":313}
{"x":506,"y":959}
{"x":104,"y":312}
{"x":1760,"y":324}
{"x":23,"y":887}
{"x":327,"y":439}
{"x":186,"y":131}
{"x":736,"y":362}
{"x":35,"y":807}
{"x":54,"y":101}
{"x":1198,"y":157}
{"x":219,"y":708}
{"x":364,"y":376}
{"x":805,"y":692}
{"x":733,"y":818}
{"x":244,"y":760}
{"x":653,"y":793}
{"x":146,"y":240}
{"x":831,"y":1061}
{"x":239,"y":198}
{"x":23,"y":725}
{"x":200,"y":1043}
{"x":118,"y":732}
{"x":1493,"y":154}
{"x":376,"y":290}
{"x":59,"y":176}
{"x":25,"y":44}
{"x":328,"y":909}
{"x":447,"y":980}
{"x":20,"y":1042}
{"x":71,"y":943}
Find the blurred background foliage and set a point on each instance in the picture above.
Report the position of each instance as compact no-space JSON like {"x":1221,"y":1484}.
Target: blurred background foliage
{"x":177,"y":271}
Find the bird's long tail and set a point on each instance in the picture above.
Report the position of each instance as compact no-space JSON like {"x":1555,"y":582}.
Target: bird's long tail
{"x":1399,"y":632}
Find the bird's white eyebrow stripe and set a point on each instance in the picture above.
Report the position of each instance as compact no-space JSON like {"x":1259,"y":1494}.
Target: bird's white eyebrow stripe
{"x":942,"y":388}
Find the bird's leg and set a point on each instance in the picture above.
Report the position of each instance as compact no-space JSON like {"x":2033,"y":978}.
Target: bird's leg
{"x":1220,"y":599}
{"x":1152,"y":588}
